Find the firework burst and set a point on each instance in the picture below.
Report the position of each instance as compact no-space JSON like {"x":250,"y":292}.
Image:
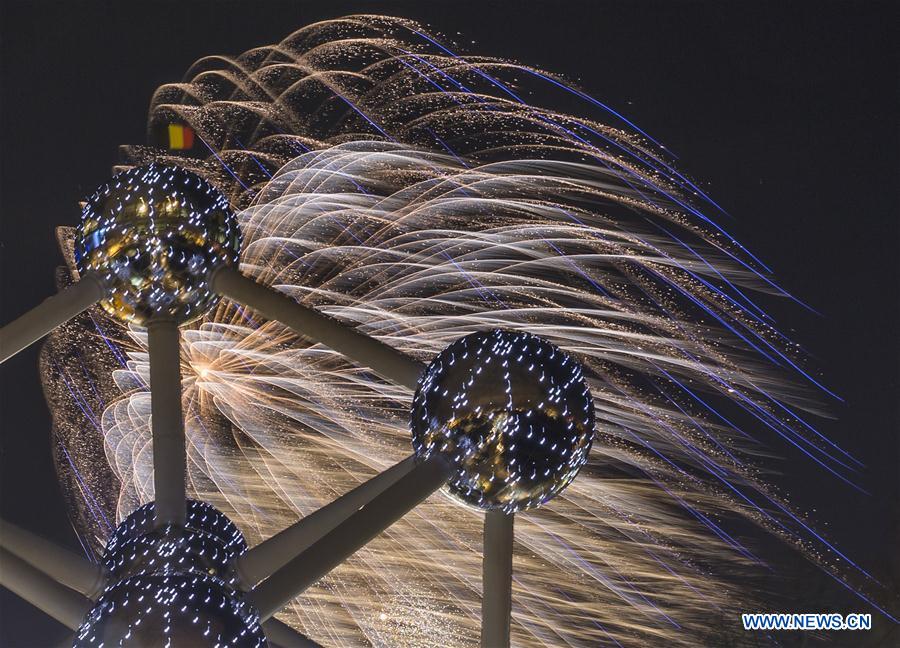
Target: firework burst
{"x":423,"y":196}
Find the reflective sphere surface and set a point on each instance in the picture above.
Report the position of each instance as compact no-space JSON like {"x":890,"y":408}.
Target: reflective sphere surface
{"x":206,"y":544}
{"x":153,"y":234}
{"x":513,"y":414}
{"x":173,"y":585}
{"x":174,"y":610}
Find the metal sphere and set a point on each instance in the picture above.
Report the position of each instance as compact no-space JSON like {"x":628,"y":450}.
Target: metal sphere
{"x":174,"y":585}
{"x":513,"y":414}
{"x":153,"y":234}
{"x":174,"y":610}
{"x":207,"y":544}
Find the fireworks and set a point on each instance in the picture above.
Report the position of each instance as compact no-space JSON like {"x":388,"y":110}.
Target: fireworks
{"x":422,"y":196}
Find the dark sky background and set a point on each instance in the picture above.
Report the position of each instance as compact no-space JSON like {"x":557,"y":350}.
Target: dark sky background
{"x":789,"y":113}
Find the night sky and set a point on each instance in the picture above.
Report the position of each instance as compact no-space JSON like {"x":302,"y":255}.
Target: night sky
{"x":789,"y":114}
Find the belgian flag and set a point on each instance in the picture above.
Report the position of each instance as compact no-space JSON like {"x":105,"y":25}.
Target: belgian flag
{"x":181,"y":137}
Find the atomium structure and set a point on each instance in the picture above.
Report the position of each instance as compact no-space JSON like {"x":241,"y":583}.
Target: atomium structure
{"x":427,"y":248}
{"x":155,"y":245}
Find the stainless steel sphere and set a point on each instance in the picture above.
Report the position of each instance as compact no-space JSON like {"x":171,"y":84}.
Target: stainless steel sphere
{"x":154,"y":234}
{"x":513,"y":414}
{"x":207,"y":544}
{"x":174,"y":585}
{"x":173,"y":610}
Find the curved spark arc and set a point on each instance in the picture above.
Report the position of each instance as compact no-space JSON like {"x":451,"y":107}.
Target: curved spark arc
{"x":397,"y":186}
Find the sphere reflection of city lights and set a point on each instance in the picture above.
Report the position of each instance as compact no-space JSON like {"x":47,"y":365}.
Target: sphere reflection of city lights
{"x":173,"y":582}
{"x":511,"y":411}
{"x":154,"y":234}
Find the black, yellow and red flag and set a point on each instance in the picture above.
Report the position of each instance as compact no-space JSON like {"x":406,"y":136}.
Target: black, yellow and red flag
{"x":181,"y":137}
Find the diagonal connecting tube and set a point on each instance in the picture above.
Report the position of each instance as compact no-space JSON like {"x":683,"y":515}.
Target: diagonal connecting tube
{"x":58,"y":563}
{"x":46,"y":316}
{"x":65,"y":605}
{"x":348,"y":537}
{"x":264,"y":559}
{"x":367,"y":351}
{"x":281,"y":635}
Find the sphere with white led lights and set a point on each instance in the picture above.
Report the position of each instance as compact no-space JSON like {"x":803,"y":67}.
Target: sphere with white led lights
{"x":511,"y":412}
{"x":173,"y":585}
{"x":154,"y":234}
{"x":178,"y":610}
{"x":208,"y":543}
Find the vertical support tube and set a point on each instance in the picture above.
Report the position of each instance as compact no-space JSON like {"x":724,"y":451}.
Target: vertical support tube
{"x":270,"y":555}
{"x":46,"y":316}
{"x":348,"y":537}
{"x":367,"y":351}
{"x":61,"y":603}
{"x":167,"y":423}
{"x":60,"y":564}
{"x":496,"y":603}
